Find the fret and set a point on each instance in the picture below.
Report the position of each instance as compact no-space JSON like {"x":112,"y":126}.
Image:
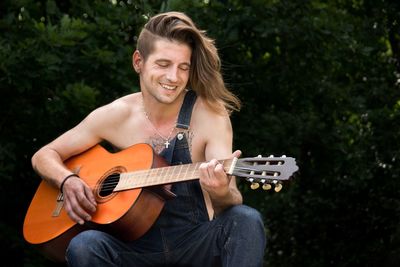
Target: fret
{"x":180,"y":175}
{"x":169,"y":172}
{"x":152,"y":178}
{"x":162,"y":173}
{"x":186,"y":171}
{"x":158,"y":176}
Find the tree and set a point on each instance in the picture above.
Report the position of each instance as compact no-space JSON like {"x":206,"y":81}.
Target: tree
{"x":59,"y":60}
{"x":319,"y":81}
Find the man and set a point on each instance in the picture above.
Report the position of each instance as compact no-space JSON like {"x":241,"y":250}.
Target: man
{"x":206,"y":223}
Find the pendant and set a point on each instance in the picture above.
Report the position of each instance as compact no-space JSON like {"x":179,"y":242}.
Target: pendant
{"x":167,"y":143}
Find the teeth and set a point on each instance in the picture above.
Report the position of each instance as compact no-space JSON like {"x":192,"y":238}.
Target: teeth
{"x":168,"y":87}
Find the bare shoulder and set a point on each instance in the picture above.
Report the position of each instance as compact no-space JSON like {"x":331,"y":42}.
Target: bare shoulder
{"x":116,"y":111}
{"x":105,"y":122}
{"x":205,"y":116}
{"x":121,"y":107}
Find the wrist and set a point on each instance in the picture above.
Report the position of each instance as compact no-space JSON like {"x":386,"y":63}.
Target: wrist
{"x":65,"y":179}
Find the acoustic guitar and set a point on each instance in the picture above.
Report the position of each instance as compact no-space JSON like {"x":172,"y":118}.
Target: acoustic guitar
{"x":130,"y":187}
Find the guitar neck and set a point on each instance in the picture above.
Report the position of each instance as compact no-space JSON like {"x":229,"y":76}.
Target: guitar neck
{"x":164,"y":175}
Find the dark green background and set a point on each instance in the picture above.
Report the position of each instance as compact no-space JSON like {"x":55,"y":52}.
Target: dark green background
{"x":319,"y":81}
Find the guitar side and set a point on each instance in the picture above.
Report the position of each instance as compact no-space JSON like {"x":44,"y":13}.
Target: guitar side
{"x":124,"y":214}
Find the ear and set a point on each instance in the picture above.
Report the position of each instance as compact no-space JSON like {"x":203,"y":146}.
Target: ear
{"x":137,"y":61}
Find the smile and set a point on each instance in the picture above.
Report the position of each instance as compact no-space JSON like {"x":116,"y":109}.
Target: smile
{"x":168,"y":87}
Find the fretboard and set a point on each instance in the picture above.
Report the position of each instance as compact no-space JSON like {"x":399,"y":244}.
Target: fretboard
{"x":159,"y":176}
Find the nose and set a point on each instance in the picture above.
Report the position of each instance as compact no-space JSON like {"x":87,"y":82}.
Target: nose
{"x":172,"y":74}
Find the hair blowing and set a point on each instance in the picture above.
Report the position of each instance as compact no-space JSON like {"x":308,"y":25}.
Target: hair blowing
{"x":205,"y":73}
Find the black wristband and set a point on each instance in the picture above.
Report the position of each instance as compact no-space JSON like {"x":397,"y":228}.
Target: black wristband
{"x":66,"y":178}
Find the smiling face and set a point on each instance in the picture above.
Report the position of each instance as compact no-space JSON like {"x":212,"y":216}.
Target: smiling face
{"x":164,"y":74}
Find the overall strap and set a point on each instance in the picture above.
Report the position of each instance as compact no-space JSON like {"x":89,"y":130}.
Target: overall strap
{"x":186,"y":110}
{"x":183,"y":122}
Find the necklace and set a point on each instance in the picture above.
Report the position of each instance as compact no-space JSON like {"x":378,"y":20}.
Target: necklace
{"x":166,"y":139}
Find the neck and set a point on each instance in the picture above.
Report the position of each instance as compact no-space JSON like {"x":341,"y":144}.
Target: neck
{"x":161,"y":114}
{"x":166,"y":175}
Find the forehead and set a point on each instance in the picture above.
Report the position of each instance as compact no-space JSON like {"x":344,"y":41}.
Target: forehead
{"x":171,"y":50}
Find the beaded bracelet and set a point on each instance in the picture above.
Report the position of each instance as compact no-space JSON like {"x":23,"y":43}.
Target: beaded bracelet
{"x":65,"y":179}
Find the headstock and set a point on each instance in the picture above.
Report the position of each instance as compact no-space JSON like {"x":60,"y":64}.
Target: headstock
{"x":266,"y":171}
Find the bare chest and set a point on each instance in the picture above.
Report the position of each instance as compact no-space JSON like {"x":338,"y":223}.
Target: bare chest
{"x":135,"y":132}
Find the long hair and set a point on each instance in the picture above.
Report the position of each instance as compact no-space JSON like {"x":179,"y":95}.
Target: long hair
{"x":205,"y":76}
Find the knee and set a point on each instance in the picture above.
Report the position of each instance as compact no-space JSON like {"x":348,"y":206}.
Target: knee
{"x":246,"y":216}
{"x":244,"y":223}
{"x":245,"y":212}
{"x":92,"y":248}
{"x":78,"y":246}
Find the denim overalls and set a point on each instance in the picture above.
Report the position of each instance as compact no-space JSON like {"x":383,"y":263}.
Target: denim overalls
{"x":183,"y":235}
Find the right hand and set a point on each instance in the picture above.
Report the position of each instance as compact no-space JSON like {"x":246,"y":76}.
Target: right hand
{"x":79,"y":201}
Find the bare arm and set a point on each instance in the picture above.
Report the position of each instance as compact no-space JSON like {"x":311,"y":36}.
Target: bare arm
{"x":221,"y":187}
{"x":79,"y":201}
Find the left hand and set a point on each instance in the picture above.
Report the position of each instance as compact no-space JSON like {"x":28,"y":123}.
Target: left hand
{"x":213,"y":178}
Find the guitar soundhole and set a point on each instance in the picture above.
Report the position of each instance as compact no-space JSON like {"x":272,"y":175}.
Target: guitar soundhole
{"x":109,"y":181}
{"x":109,"y":184}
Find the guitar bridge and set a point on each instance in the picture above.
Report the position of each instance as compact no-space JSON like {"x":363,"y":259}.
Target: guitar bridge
{"x":59,"y":205}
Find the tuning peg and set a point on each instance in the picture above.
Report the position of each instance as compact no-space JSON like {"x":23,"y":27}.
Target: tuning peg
{"x":254,"y":186}
{"x":271,"y":156}
{"x":266,"y":186}
{"x":278,"y":187}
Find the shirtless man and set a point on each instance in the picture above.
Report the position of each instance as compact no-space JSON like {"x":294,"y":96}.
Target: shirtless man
{"x":206,"y":224}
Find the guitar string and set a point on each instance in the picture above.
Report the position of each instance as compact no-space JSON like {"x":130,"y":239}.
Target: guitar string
{"x":141,"y":174}
{"x":107,"y":185}
{"x":146,"y":174}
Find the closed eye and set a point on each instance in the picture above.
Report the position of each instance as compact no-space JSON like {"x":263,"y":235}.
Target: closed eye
{"x":163,"y":63}
{"x":184,"y":67}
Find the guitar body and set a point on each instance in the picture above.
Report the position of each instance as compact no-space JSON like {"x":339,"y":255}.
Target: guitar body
{"x":129,"y":193}
{"x":125,"y":214}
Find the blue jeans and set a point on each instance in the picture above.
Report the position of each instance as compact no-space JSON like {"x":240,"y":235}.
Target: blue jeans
{"x":235,"y":238}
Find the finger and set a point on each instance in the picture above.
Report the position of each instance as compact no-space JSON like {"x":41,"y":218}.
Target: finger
{"x":219,"y":170}
{"x":72,"y":214}
{"x":203,"y":171}
{"x":77,"y":207}
{"x":211,"y":167}
{"x":84,"y":207}
{"x":75,"y":217}
{"x":91,"y":204}
{"x":84,"y":199}
{"x":237,"y":154}
{"x":222,"y":179}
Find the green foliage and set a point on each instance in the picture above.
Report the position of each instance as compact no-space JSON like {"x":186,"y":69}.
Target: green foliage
{"x":319,"y":81}
{"x":58,"y":61}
